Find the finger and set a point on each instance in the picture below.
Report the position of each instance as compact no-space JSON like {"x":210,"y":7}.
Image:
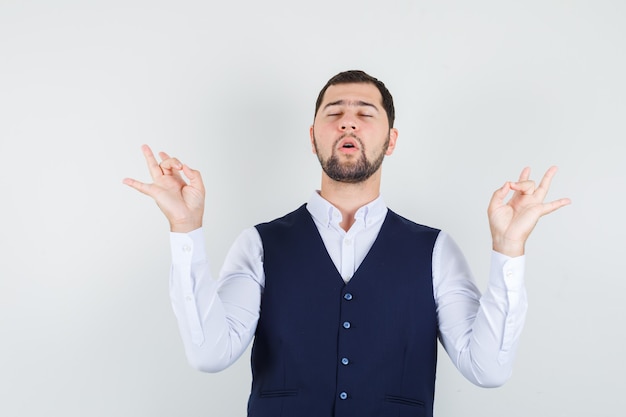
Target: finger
{"x":525,"y":174}
{"x":138,"y":185}
{"x":165,"y":157}
{"x":153,"y":165}
{"x":195,"y":178}
{"x":544,"y":185}
{"x":498,"y":197}
{"x":526,"y":187}
{"x":170,"y":164}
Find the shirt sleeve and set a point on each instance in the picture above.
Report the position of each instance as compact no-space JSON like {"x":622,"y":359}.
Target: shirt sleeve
{"x":217,"y":318}
{"x":480,"y":333}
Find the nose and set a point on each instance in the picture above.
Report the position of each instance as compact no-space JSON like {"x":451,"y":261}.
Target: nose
{"x":347,"y":123}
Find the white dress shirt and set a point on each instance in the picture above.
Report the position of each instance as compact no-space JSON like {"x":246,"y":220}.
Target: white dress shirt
{"x":218,"y":317}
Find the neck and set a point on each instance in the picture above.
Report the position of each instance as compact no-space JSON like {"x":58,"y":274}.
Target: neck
{"x":348,"y":197}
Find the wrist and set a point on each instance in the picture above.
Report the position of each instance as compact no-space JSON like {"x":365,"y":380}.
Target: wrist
{"x":185,"y":227}
{"x":509,"y":248}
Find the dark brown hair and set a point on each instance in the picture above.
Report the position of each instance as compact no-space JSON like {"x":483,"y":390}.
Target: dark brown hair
{"x":357,"y":76}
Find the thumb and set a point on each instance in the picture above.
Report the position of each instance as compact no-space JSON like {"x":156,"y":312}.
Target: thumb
{"x":195,"y":178}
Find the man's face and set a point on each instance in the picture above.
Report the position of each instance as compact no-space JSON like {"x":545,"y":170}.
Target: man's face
{"x":351,"y":133}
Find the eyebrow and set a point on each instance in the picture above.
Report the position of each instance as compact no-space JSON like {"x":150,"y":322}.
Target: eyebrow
{"x":357,"y":103}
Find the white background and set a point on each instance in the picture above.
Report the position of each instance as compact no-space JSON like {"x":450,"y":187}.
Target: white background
{"x":482,"y":89}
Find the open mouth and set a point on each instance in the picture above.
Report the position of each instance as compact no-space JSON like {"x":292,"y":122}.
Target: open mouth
{"x":349,"y":143}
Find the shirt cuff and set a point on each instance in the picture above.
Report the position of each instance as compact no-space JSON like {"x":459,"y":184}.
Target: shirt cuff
{"x":507,"y":275}
{"x":188,"y":248}
{"x":506,"y":272}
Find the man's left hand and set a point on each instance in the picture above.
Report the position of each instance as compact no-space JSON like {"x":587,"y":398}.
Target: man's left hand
{"x":512,"y":222}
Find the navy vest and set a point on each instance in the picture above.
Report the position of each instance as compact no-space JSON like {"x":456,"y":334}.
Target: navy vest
{"x":324,"y":348}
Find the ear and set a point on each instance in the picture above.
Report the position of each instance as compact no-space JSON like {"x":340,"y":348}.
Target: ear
{"x":393,"y":137}
{"x":312,"y":138}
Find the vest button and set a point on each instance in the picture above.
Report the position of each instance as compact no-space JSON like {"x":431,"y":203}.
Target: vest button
{"x":347,"y":296}
{"x":345,"y":361}
{"x":343,"y":395}
{"x":346,"y":324}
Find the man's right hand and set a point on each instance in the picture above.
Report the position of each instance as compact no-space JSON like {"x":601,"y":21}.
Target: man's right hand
{"x":181,"y":202}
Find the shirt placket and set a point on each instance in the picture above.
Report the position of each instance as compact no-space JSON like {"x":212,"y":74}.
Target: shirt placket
{"x":348,"y":250}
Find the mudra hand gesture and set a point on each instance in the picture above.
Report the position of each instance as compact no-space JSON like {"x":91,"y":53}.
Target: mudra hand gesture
{"x":181,"y":202}
{"x":512,"y":222}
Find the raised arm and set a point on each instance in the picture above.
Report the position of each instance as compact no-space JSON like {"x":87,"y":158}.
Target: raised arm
{"x":216,"y":318}
{"x":181,"y":202}
{"x":512,"y":222}
{"x":481,"y":332}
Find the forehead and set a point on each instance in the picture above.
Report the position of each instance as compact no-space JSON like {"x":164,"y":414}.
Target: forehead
{"x":352,"y":92}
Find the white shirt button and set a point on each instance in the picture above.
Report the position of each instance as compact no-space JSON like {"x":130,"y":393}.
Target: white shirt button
{"x":186,"y":248}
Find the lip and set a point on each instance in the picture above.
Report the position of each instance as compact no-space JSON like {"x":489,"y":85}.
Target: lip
{"x":341,"y":146}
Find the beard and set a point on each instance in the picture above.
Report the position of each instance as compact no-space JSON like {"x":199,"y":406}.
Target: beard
{"x":353,"y":171}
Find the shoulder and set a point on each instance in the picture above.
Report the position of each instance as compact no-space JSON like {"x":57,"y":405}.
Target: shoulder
{"x":286,"y":221}
{"x":410,"y":225}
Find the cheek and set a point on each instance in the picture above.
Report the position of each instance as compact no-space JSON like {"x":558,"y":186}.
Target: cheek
{"x":322,"y":137}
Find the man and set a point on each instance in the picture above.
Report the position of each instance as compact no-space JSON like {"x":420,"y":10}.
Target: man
{"x":344,"y":298}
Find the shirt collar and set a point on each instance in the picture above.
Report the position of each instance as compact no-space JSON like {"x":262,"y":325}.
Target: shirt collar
{"x":326,"y":214}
